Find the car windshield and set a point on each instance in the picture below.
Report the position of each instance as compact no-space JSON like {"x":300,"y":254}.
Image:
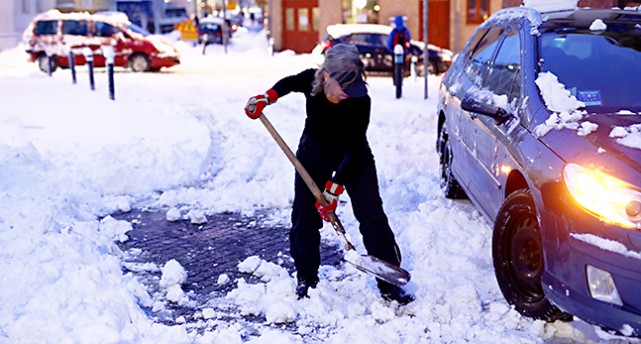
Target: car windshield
{"x":137,"y":29}
{"x":600,"y":68}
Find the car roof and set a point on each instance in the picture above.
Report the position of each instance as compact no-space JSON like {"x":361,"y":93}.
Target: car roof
{"x":340,"y":30}
{"x":216,"y":20}
{"x":577,"y":17}
{"x":113,"y":17}
{"x":584,"y":17}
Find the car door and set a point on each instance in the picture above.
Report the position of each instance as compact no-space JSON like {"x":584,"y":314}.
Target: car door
{"x":457,"y":82}
{"x":74,"y":38}
{"x":503,"y":81}
{"x":479,"y":143}
{"x":107,"y":34}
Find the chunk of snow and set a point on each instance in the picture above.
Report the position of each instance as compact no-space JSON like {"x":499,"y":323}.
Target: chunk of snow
{"x":598,"y":25}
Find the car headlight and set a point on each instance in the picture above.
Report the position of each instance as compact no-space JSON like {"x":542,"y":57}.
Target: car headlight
{"x":610,"y":198}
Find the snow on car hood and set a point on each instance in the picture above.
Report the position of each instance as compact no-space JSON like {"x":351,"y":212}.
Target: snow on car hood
{"x":615,"y":137}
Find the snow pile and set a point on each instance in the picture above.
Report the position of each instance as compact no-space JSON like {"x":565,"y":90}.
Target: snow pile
{"x":628,"y":136}
{"x":173,"y":276}
{"x":564,"y":105}
{"x":598,"y":25}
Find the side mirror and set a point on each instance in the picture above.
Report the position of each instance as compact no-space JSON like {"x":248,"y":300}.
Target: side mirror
{"x":485,"y":109}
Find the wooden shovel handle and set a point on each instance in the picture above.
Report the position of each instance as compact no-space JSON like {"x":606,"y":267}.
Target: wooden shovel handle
{"x":336,"y":223}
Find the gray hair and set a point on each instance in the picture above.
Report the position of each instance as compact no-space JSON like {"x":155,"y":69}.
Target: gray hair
{"x":343,"y":64}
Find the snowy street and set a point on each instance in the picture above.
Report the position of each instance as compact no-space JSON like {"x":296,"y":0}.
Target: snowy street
{"x":178,"y":141}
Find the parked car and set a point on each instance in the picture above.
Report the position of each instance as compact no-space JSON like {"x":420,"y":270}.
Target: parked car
{"x":210,"y":30}
{"x":371,"y":41}
{"x":56,"y":34}
{"x":539,"y":124}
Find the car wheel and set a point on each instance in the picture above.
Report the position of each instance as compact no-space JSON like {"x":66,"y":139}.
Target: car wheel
{"x":139,"y":63}
{"x":449,"y":184}
{"x":517,"y":252}
{"x":43,"y":61}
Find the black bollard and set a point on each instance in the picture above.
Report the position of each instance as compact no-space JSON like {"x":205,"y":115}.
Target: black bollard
{"x":398,"y":70}
{"x":112,"y":87}
{"x":72,"y":66}
{"x":89,"y":58}
{"x":49,"y":64}
{"x":108,"y":52}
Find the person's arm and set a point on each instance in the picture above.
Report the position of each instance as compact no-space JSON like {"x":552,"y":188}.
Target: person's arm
{"x":301,"y":82}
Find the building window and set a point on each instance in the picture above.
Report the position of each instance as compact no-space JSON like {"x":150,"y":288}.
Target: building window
{"x":289,"y":19}
{"x":477,"y":10}
{"x":303,"y":19}
{"x":315,"y":18}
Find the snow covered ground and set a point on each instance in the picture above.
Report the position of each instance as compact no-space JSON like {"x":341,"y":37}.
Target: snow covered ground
{"x":179,"y":139}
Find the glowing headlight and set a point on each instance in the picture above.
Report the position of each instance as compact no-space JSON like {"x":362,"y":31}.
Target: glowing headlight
{"x":612,"y":199}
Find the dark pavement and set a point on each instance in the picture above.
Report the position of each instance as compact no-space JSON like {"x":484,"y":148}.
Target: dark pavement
{"x":208,"y":250}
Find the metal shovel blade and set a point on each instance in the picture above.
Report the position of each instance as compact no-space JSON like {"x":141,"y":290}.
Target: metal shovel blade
{"x":379,"y":268}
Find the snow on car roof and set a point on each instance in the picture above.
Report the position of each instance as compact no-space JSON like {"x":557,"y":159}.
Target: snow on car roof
{"x":339,"y":30}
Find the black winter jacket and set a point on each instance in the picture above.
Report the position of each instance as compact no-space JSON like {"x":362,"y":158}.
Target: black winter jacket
{"x":343,"y":124}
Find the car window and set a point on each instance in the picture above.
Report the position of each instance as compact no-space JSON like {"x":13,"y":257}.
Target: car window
{"x":46,"y":27}
{"x":600,"y":69}
{"x":505,"y":72}
{"x":479,"y":62}
{"x":358,"y":38}
{"x":137,"y":29}
{"x":74,"y":27}
{"x":105,"y":29}
{"x":209,"y":26}
{"x":378,"y":40}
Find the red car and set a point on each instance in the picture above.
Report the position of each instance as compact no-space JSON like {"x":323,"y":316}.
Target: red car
{"x":57,"y":34}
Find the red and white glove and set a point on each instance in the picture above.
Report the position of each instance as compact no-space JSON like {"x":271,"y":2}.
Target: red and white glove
{"x":331,"y":193}
{"x":256,"y":104}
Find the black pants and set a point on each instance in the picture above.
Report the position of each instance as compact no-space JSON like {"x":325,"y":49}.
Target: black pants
{"x":320,"y":161}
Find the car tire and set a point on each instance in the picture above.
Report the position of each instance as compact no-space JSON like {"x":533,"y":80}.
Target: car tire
{"x":42,"y":61}
{"x":517,"y":253}
{"x":449,"y":184}
{"x":139,"y":63}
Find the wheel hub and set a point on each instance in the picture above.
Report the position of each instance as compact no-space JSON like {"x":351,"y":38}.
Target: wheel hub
{"x":526,"y":257}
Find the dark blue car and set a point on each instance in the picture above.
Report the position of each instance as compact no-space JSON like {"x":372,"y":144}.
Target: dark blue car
{"x":371,"y":42}
{"x":539,"y":124}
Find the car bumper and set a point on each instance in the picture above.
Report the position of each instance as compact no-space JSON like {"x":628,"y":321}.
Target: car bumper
{"x":581,"y":241}
{"x":167,"y":61}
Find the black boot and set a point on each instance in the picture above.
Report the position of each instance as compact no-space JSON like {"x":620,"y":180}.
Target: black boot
{"x":304,"y":285}
{"x":394,"y":293}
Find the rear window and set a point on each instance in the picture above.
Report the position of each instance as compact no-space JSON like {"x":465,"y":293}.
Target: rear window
{"x":74,"y":27}
{"x":46,"y":27}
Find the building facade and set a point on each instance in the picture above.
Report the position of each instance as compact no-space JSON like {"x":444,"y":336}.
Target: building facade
{"x":297,"y":24}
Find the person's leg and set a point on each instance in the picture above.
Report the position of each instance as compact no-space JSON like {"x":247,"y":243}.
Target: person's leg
{"x":304,"y":235}
{"x":363,"y":191}
{"x":378,"y":237}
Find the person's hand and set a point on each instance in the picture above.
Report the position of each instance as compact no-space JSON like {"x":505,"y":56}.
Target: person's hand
{"x":256,"y":104}
{"x":331,"y":193}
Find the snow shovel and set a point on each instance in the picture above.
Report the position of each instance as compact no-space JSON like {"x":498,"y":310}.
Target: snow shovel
{"x":377,"y":267}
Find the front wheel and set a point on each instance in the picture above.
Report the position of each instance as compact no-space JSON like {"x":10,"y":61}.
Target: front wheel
{"x":139,"y":63}
{"x":517,"y":252}
{"x":45,"y":62}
